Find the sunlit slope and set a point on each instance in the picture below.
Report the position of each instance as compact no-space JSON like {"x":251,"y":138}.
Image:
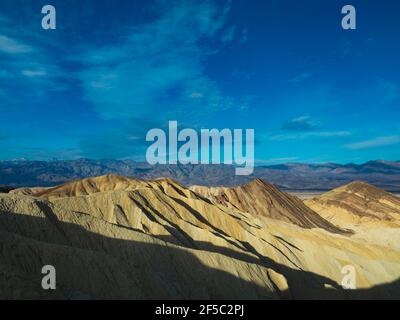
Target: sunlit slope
{"x":117,"y":237}
{"x":357,"y":203}
{"x":97,"y":259}
{"x":264,"y":199}
{"x":372,"y":213}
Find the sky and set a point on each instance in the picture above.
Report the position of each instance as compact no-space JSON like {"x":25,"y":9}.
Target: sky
{"x":112,"y":70}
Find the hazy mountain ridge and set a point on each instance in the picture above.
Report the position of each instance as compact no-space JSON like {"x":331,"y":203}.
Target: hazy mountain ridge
{"x":383,"y":174}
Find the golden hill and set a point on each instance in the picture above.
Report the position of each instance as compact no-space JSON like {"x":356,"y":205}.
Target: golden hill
{"x":261,"y":198}
{"x":105,"y":183}
{"x":357,"y":203}
{"x":115,"y":237}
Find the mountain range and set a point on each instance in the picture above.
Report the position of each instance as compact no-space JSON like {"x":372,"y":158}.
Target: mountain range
{"x":291,"y":176}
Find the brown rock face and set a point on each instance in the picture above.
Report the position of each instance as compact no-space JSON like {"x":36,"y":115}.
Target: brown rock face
{"x":261,"y":198}
{"x":357,"y":203}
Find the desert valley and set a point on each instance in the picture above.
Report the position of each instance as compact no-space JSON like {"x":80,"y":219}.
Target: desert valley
{"x":117,"y":237}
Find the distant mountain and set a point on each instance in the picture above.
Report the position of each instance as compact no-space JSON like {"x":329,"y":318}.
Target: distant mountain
{"x":382,"y":174}
{"x":291,"y":176}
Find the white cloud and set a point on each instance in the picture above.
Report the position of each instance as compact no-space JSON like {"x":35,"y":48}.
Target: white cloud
{"x":228,"y":35}
{"x":303,"y":123}
{"x":333,"y":134}
{"x":374,"y":143}
{"x":276,"y":161}
{"x":244,"y":36}
{"x":306,"y":135}
{"x":34,"y":73}
{"x":301,"y":77}
{"x":158,"y":66}
{"x":389,"y":91}
{"x":28,"y":67}
{"x":11,"y":46}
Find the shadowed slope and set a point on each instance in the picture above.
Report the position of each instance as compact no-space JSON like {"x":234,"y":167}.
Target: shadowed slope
{"x":98,"y":260}
{"x":118,"y":264}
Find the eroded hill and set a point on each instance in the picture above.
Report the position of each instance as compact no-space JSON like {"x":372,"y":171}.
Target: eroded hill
{"x":357,"y":203}
{"x":115,"y":237}
{"x":260,"y":198}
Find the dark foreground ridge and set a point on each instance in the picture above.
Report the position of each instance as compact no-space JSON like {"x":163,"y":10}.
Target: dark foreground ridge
{"x":91,"y":266}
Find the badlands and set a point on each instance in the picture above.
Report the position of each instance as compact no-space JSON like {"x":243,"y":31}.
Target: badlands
{"x":113,"y":237}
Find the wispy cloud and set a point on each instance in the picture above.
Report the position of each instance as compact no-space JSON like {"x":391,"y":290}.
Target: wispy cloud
{"x":228,"y":35}
{"x":304,"y":127}
{"x":374,"y":143}
{"x":305,"y":135}
{"x":301,"y":77}
{"x":26,"y":67}
{"x":244,"y":37}
{"x":303,"y":123}
{"x":276,"y":161}
{"x":127,"y":139}
{"x":34,"y":73}
{"x":158,"y":66}
{"x":389,"y":91}
{"x":12,"y":46}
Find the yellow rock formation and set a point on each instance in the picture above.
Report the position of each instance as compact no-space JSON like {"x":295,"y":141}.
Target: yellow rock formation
{"x":116,"y":237}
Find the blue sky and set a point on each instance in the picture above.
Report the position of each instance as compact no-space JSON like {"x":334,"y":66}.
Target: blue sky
{"x":112,"y":70}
